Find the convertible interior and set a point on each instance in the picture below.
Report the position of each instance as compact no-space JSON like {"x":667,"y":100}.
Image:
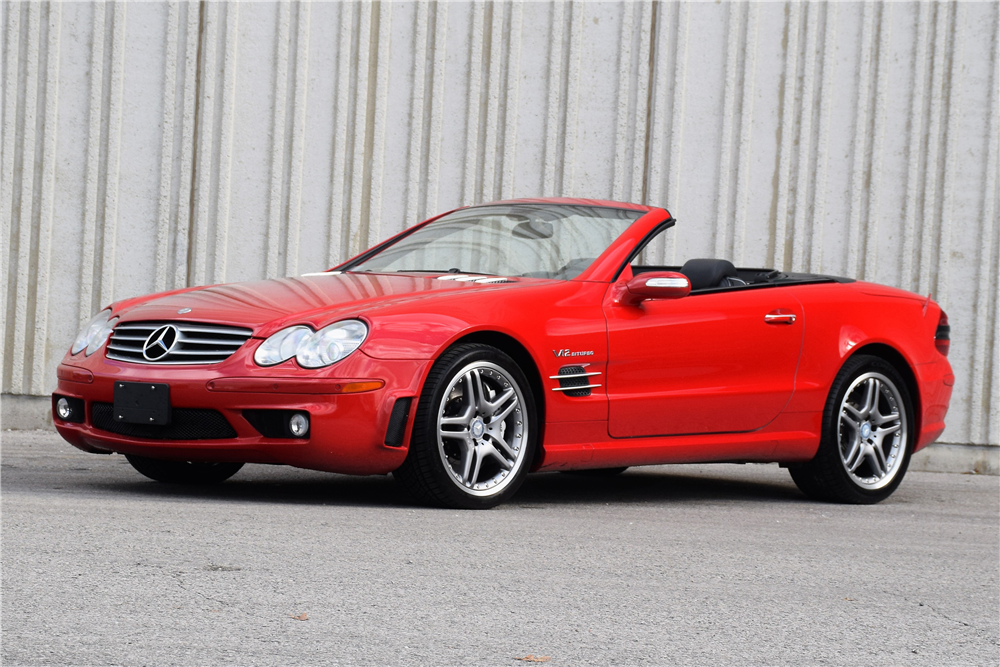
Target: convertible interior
{"x":721,"y":274}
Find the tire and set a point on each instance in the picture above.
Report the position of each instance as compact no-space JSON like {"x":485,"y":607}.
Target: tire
{"x":183,"y":472}
{"x":597,"y":472}
{"x":867,"y":438}
{"x":481,"y":395}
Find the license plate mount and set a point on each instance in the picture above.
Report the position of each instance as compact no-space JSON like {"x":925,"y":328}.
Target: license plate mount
{"x":142,"y":403}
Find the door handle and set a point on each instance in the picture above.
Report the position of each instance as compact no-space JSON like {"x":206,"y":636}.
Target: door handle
{"x":778,"y":317}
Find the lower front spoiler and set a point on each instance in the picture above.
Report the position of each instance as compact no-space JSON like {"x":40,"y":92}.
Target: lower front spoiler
{"x":347,"y":434}
{"x":330,"y":447}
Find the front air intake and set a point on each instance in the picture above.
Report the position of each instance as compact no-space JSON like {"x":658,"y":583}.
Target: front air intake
{"x":275,"y":423}
{"x":185,"y":424}
{"x":397,"y":423}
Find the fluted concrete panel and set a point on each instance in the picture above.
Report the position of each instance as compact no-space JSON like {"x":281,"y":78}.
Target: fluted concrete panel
{"x":151,"y":146}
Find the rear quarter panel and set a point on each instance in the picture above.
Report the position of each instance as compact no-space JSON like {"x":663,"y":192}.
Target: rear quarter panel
{"x":841,"y":319}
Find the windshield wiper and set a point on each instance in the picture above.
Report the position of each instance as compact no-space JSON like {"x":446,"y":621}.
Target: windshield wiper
{"x":455,"y":271}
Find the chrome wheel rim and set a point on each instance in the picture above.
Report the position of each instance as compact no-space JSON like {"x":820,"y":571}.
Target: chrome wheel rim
{"x":482,"y":429}
{"x":872,"y":431}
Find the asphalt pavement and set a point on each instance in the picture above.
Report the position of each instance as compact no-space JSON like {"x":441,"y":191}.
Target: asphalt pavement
{"x":668,"y":565}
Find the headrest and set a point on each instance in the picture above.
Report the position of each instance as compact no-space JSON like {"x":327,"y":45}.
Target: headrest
{"x":705,"y":273}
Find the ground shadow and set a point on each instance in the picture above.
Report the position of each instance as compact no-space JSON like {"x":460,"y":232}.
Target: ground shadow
{"x":266,"y":484}
{"x":657,"y":485}
{"x":344,"y":490}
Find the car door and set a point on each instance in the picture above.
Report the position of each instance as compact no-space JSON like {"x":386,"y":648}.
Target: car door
{"x":713,"y":362}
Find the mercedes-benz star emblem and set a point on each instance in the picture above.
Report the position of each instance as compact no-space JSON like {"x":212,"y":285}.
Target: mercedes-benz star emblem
{"x":159,"y":343}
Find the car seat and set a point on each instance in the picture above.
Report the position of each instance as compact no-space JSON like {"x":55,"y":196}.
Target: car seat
{"x":708,"y":273}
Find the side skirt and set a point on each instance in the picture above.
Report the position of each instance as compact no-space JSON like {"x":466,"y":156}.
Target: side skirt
{"x":790,"y":438}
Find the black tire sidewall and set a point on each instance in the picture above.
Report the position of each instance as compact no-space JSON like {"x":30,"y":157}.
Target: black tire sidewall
{"x":424,"y":459}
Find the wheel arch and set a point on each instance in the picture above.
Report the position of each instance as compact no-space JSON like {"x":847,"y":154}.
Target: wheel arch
{"x":894,"y":357}
{"x":519,"y":353}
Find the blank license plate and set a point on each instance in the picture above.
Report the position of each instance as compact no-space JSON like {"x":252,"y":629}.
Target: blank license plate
{"x":142,"y":403}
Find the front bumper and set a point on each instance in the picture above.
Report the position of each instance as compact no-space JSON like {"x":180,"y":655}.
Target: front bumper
{"x":347,"y":432}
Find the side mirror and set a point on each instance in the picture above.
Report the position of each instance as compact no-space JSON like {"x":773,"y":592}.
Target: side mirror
{"x":654,"y":285}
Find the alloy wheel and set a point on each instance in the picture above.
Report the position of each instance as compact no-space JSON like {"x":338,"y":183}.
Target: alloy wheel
{"x":872,"y":431}
{"x":482,"y":429}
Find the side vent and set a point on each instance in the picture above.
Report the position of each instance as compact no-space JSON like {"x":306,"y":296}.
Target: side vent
{"x":397,"y":423}
{"x":575,"y":380}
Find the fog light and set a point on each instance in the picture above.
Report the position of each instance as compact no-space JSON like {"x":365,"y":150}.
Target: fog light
{"x":299,"y":424}
{"x":63,"y":409}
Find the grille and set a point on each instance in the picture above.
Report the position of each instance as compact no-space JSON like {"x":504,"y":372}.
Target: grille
{"x":195,"y":343}
{"x":185,"y":424}
{"x":575,"y":381}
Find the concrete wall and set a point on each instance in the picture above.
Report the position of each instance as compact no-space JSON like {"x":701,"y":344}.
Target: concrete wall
{"x":150,"y":146}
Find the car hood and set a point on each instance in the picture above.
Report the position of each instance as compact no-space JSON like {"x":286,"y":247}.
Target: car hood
{"x":312,"y":299}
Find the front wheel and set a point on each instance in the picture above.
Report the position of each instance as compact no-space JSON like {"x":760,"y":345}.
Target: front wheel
{"x":474,"y":433}
{"x":867,"y":436}
{"x":183,"y":472}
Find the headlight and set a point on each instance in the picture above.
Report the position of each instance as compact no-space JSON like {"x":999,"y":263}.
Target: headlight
{"x":331,"y":344}
{"x":101,"y":337}
{"x":95,"y":333}
{"x":312,"y":350}
{"x":281,"y":346}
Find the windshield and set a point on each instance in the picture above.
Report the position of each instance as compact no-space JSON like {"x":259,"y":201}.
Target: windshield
{"x":529,"y":240}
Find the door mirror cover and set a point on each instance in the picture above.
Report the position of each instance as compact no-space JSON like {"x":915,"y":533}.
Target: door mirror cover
{"x":653,"y":285}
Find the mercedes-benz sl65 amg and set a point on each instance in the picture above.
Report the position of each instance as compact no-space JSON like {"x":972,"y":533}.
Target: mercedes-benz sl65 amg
{"x":496,"y":340}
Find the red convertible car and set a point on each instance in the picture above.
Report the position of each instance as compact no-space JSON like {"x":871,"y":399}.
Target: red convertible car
{"x":512,"y":337}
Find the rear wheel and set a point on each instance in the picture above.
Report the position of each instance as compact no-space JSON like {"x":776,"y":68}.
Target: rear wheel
{"x":867,"y":436}
{"x":183,"y":472}
{"x":474,"y":432}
